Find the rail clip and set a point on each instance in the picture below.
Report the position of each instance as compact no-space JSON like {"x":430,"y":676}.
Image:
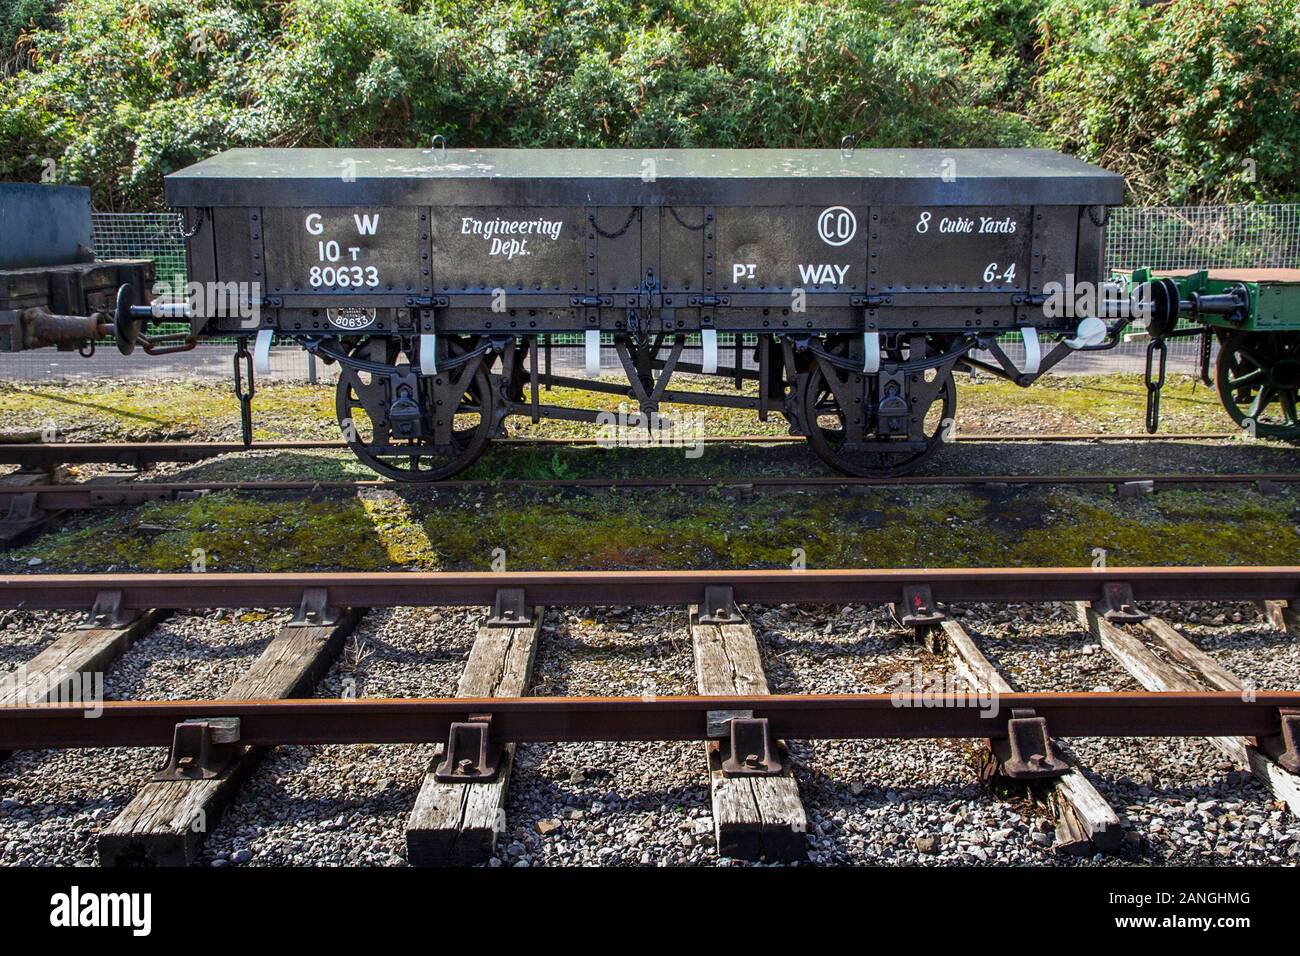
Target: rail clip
{"x":719,"y":606}
{"x":918,"y":609}
{"x":315,"y":610}
{"x":1118,"y":605}
{"x":749,"y":751}
{"x":470,"y":755}
{"x":1285,"y":747}
{"x":107,"y":612}
{"x":1026,"y":753}
{"x":201,"y":749}
{"x":510,"y":609}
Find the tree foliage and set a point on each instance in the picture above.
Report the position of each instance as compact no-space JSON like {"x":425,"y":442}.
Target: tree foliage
{"x":1191,"y":100}
{"x":118,"y":93}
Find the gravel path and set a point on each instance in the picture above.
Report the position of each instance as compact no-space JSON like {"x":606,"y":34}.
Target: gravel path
{"x":876,"y":801}
{"x":610,"y":803}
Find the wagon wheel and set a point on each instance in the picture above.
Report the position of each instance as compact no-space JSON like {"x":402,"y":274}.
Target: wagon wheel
{"x":1258,"y":379}
{"x":935,"y":394}
{"x":362,"y":404}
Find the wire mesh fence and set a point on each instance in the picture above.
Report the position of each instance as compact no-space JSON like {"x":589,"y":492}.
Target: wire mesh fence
{"x":1161,"y":237}
{"x":143,"y":235}
{"x":1204,"y":237}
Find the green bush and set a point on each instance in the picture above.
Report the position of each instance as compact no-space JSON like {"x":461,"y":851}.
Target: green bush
{"x":124,"y":91}
{"x":15,"y":17}
{"x":1191,"y":101}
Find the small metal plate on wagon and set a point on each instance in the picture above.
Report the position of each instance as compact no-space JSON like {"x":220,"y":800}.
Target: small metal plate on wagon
{"x":350,"y":318}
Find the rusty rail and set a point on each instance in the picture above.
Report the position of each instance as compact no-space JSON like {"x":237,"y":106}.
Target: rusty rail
{"x":42,"y":456}
{"x":552,"y":719}
{"x":586,"y":588}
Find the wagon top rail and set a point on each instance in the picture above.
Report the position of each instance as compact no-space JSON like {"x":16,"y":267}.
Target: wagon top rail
{"x":251,"y":177}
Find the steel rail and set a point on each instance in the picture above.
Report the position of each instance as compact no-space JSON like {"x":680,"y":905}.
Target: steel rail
{"x":44,"y":455}
{"x":588,"y":588}
{"x":86,"y":495}
{"x":556,"y":719}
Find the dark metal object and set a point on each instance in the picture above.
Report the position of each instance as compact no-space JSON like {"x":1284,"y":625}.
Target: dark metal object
{"x":556,"y":719}
{"x":558,"y":177}
{"x":641,"y":588}
{"x":201,"y":749}
{"x":718,"y":606}
{"x":471,"y":755}
{"x":245,"y":388}
{"x":23,"y":514}
{"x":887,"y":265}
{"x":1026,"y":752}
{"x":41,"y":328}
{"x":918,"y":608}
{"x":45,"y":455}
{"x":85,"y":495}
{"x":748,"y":750}
{"x":315,"y":610}
{"x":1118,"y":604}
{"x":510,"y":609}
{"x":1284,"y":747}
{"x":69,"y":306}
{"x":1157,"y":359}
{"x":107,"y":612}
{"x":44,"y":225}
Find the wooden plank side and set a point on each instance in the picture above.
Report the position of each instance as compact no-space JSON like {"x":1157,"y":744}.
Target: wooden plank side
{"x":1083,"y":815}
{"x":1199,"y":663}
{"x":458,"y":823}
{"x":753,"y":817}
{"x":167,"y":820}
{"x":1155,"y":674}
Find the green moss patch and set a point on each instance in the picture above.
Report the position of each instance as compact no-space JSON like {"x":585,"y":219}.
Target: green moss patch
{"x":684,"y":529}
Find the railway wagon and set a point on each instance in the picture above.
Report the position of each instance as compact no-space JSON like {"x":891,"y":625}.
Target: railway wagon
{"x":839,"y":289}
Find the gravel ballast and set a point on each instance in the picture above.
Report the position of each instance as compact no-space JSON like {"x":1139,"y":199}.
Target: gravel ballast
{"x":868,"y":802}
{"x":53,"y":803}
{"x":347,"y":805}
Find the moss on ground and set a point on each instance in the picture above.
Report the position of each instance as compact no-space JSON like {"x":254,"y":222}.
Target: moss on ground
{"x":682,"y":529}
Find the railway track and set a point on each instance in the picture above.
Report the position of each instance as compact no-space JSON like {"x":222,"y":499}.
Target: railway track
{"x":754,"y":785}
{"x":44,"y":456}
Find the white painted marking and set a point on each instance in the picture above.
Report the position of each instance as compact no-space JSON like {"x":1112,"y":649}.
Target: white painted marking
{"x":592,"y":351}
{"x":871,"y":351}
{"x":429,"y":353}
{"x":1033,"y":350}
{"x":709,"y":342}
{"x":837,"y":226}
{"x":262,"y":352}
{"x":1091,"y":331}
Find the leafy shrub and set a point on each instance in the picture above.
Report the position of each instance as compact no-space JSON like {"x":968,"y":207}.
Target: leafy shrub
{"x":125,"y":91}
{"x":1191,"y":101}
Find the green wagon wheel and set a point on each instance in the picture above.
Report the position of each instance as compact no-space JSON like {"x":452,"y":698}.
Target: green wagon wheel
{"x":1258,"y":380}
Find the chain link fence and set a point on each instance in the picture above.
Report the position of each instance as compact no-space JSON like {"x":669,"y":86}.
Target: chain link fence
{"x":1161,"y":237}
